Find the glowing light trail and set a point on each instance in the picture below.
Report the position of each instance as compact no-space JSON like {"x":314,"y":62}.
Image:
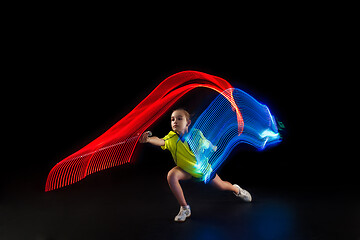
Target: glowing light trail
{"x":116,"y":145}
{"x":218,"y":124}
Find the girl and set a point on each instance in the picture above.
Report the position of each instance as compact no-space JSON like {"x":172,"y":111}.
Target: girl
{"x":185,"y":160}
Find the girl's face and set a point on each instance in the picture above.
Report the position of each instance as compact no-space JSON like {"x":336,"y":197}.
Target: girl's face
{"x":179,"y":123}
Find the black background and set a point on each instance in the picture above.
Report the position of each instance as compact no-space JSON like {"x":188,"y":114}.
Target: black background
{"x":72,"y":80}
{"x":78,"y":82}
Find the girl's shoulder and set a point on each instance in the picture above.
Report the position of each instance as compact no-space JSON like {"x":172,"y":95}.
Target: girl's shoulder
{"x":196,"y":132}
{"x":170,"y":135}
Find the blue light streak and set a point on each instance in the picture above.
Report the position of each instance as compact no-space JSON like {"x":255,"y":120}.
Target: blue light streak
{"x":215,"y":133}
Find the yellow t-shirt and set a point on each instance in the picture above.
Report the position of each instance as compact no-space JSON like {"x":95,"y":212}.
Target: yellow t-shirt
{"x":182,"y":154}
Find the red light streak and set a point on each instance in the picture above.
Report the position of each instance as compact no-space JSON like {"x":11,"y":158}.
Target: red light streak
{"x":116,"y":146}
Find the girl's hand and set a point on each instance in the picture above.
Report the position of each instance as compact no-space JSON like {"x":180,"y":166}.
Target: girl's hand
{"x":145,"y":137}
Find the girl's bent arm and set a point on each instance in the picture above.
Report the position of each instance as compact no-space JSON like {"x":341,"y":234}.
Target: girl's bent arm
{"x":156,"y":141}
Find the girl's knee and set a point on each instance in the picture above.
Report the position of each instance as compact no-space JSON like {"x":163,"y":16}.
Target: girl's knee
{"x":172,"y":175}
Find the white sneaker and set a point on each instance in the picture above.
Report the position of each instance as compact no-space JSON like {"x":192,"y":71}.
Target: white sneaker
{"x":184,"y":213}
{"x":243,"y":194}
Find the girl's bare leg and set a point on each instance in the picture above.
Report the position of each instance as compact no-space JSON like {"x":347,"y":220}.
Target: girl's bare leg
{"x":174,"y":176}
{"x":223,"y":185}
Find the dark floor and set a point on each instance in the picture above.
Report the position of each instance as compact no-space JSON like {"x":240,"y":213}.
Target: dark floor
{"x":130,"y":203}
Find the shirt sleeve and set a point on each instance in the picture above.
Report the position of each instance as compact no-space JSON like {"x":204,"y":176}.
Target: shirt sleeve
{"x":165,"y":146}
{"x":203,"y":141}
{"x":166,"y":138}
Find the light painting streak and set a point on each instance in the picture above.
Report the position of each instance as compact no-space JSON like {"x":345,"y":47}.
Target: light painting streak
{"x":115,"y":147}
{"x":218,"y":124}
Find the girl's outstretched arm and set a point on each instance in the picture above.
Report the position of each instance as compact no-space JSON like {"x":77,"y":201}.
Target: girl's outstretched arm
{"x":156,"y":141}
{"x":153,"y":140}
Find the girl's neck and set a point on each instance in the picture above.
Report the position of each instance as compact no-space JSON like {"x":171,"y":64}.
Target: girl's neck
{"x":181,"y":134}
